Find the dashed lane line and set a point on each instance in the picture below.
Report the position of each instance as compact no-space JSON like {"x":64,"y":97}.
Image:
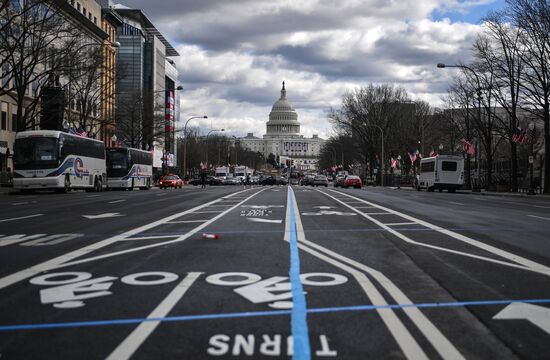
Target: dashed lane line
{"x":116,"y":201}
{"x":541,"y":207}
{"x":539,"y":217}
{"x":65,"y":259}
{"x":455,"y":203}
{"x":517,"y":261}
{"x":21,"y":217}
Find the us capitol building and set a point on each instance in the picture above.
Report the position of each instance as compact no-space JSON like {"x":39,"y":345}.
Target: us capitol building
{"x":283,"y":137}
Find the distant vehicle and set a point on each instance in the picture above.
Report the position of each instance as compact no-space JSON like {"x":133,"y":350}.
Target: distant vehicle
{"x":442,"y":172}
{"x":281,"y":180}
{"x":268,"y":180}
{"x":222,"y":172}
{"x":231,"y":180}
{"x":339,"y":180}
{"x":241,"y":172}
{"x":213,"y":181}
{"x":48,"y":159}
{"x":128,"y":168}
{"x":320,"y":180}
{"x":307,"y":180}
{"x":171,"y":180}
{"x":254,"y":180}
{"x":352,"y":180}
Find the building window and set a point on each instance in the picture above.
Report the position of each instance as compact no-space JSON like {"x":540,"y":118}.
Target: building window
{"x":72,"y":2}
{"x":14,"y":122}
{"x":84,"y":11}
{"x":4,"y":121}
{"x":95,"y":20}
{"x":78,"y":6}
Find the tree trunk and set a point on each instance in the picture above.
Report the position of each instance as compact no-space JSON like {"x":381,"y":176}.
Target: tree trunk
{"x":546,"y":189}
{"x":514,"y":167}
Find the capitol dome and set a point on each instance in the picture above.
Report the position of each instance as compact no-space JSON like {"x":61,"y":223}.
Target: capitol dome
{"x":283,"y":119}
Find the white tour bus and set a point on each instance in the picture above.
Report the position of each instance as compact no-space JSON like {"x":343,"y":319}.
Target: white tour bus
{"x":49,"y":159}
{"x":128,"y":168}
{"x":441,"y":172}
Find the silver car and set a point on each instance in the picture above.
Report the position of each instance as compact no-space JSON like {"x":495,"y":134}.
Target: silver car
{"x":320,"y":180}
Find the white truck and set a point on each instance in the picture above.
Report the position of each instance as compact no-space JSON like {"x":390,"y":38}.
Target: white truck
{"x":442,"y":172}
{"x":242,"y":171}
{"x":222,"y":172}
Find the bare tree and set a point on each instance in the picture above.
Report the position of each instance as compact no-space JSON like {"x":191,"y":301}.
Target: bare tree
{"x":37,"y":37}
{"x":532,"y":17}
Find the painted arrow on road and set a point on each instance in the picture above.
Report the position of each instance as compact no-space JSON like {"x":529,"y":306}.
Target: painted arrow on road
{"x":535,"y":314}
{"x":102,"y":216}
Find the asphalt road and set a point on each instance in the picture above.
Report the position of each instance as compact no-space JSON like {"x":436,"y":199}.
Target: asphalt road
{"x":287,"y":272}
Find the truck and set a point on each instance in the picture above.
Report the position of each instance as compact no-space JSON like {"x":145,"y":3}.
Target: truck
{"x":441,"y":172}
{"x":241,"y":172}
{"x":222,"y":172}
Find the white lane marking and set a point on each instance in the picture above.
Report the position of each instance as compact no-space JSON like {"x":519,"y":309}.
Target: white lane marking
{"x":208,"y":212}
{"x":20,"y":203}
{"x":535,"y":314}
{"x":151,"y":237}
{"x":402,"y":336}
{"x":524,"y":263}
{"x":405,"y":340}
{"x":92,"y":196}
{"x":455,"y":203}
{"x":145,"y":247}
{"x":401,"y":223}
{"x":185,"y":221}
{"x":116,"y":201}
{"x":63,"y":260}
{"x":21,"y":217}
{"x":129,"y":345}
{"x":482,"y":199}
{"x":539,"y":217}
{"x":541,"y":207}
{"x":265,"y":220}
{"x":102,"y":216}
{"x":377,"y":213}
{"x":365,"y":207}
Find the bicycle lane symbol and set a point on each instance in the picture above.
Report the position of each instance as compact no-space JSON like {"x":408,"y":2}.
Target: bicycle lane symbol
{"x":71,"y":288}
{"x":274,"y":291}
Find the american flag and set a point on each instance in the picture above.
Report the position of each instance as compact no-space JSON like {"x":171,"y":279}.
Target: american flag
{"x":433,"y":153}
{"x":412,"y":156}
{"x":518,"y":135}
{"x":468,"y":147}
{"x":531,"y":135}
{"x":393,"y":163}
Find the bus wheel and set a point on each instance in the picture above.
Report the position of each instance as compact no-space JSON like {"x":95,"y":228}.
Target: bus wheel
{"x":97,"y":185}
{"x":66,"y":186}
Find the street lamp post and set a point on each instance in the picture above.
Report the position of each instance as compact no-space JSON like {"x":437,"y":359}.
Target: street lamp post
{"x":479,"y":97}
{"x":185,"y":143}
{"x":382,"y":166}
{"x":207,"y":135}
{"x":531,"y":162}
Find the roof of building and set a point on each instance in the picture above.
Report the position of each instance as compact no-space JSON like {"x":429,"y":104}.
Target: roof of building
{"x":139,"y":15}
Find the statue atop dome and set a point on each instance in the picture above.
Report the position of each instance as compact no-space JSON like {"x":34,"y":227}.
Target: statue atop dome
{"x":283,"y":91}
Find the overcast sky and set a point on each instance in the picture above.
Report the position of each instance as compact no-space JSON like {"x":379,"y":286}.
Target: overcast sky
{"x":234,"y":55}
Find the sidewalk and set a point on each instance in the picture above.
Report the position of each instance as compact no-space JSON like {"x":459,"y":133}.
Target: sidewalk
{"x":483,"y":193}
{"x":4,"y":190}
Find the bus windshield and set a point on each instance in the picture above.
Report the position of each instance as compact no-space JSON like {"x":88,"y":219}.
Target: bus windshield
{"x":117,"y":162}
{"x":36,"y":153}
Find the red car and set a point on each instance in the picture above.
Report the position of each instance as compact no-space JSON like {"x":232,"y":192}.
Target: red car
{"x":352,"y":180}
{"x":171,"y":181}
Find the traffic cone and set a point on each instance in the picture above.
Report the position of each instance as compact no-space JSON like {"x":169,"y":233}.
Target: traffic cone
{"x":210,"y":236}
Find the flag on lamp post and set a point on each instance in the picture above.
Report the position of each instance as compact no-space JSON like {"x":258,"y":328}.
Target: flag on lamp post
{"x":468,"y":147}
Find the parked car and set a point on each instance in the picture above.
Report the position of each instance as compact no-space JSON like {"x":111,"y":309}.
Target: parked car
{"x":171,"y":180}
{"x":339,"y":180}
{"x":352,"y":180}
{"x":281,"y":180}
{"x":320,"y":180}
{"x":254,"y":180}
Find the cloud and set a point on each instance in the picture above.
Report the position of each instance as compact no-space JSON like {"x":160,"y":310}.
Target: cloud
{"x":235,"y":54}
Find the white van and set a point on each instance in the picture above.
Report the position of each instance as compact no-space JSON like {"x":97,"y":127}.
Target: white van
{"x":441,"y":172}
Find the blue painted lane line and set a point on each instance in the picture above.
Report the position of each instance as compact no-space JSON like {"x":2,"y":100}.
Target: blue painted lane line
{"x":78,"y":324}
{"x":300,"y":333}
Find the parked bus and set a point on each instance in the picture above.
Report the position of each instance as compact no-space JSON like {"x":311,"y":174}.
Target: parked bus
{"x":49,"y":159}
{"x":441,"y":172}
{"x":128,"y":168}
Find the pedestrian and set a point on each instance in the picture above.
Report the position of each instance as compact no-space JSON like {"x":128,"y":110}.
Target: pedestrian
{"x":203,"y":180}
{"x":247,"y":179}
